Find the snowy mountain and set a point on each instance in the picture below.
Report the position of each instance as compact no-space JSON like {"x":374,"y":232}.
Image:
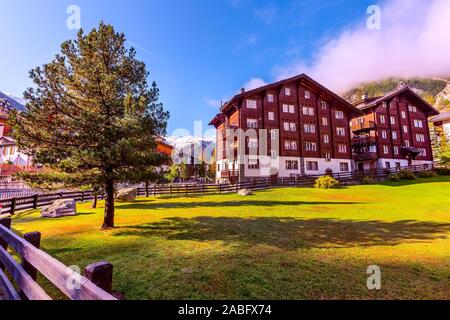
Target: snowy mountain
{"x":16,"y":102}
{"x":202,"y":147}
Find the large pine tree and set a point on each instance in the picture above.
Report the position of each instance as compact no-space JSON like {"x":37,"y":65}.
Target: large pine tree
{"x":92,"y":117}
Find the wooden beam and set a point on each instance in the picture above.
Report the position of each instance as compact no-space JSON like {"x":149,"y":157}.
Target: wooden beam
{"x":26,"y":284}
{"x":8,"y":288}
{"x":54,"y":271}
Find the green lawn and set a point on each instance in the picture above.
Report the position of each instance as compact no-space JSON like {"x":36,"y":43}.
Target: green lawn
{"x":278,"y":244}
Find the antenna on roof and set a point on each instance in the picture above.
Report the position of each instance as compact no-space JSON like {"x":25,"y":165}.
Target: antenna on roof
{"x":242,"y":90}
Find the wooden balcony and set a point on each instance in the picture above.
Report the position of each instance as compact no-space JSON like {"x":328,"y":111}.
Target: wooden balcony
{"x":360,"y":141}
{"x":364,"y":127}
{"x":365,"y":156}
{"x":228,"y":173}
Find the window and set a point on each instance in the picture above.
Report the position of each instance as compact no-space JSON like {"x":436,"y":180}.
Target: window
{"x":384,"y":134}
{"x":396,"y":151}
{"x":293,"y":145}
{"x":344,"y":166}
{"x":392,"y":120}
{"x":290,"y":145}
{"x":412,"y":109}
{"x":291,"y":165}
{"x":273,"y":134}
{"x":382,"y":119}
{"x":398,"y":165}
{"x":273,"y":154}
{"x":323,"y":105}
{"x":418,"y":123}
{"x":339,"y":115}
{"x":385,"y":149}
{"x":342,"y":148}
{"x":423,"y":152}
{"x":251,"y":104}
{"x":326,"y":138}
{"x":287,"y":91}
{"x":271,"y":116}
{"x":405,"y":129}
{"x":308,"y":111}
{"x":407,"y":144}
{"x":394,"y":135}
{"x":291,"y":108}
{"x":290,"y":126}
{"x":312,"y":166}
{"x":270,"y":97}
{"x":384,"y":105}
{"x":420,"y":137}
{"x":387,"y":165}
{"x":288,"y":108}
{"x":327,"y":156}
{"x":403,"y":115}
{"x":310,"y":128}
{"x":340,"y":131}
{"x":307,"y":94}
{"x":253,"y":163}
{"x":252,"y":143}
{"x":310,"y":146}
{"x":325,"y":121}
{"x":252,"y":123}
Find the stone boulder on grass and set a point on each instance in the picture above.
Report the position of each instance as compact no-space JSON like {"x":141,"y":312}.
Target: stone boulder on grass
{"x":60,"y":208}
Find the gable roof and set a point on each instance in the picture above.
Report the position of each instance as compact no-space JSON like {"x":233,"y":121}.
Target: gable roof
{"x":431,"y":111}
{"x":442,"y":116}
{"x":345,"y":104}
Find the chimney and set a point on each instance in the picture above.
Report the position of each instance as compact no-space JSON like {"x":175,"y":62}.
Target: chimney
{"x":242,"y":90}
{"x":401,"y":84}
{"x":365,"y":96}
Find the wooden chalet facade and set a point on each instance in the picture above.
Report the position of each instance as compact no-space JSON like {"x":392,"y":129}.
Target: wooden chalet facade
{"x":293,"y":127}
{"x":393,"y":131}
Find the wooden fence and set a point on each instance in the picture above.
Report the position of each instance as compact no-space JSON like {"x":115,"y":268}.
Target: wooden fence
{"x":12,"y":205}
{"x":96,"y":284}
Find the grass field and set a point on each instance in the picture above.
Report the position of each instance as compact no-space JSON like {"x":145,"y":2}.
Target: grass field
{"x":278,"y":244}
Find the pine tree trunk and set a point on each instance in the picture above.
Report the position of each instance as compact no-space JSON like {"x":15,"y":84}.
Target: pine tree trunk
{"x":94,"y":202}
{"x":108,"y":221}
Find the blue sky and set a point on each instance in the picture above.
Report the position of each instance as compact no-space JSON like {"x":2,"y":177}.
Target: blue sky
{"x":198,"y":51}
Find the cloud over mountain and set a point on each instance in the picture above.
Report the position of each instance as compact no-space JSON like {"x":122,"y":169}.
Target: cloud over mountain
{"x":414,"y":41}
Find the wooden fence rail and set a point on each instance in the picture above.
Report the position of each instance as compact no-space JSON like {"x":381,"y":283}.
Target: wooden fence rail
{"x":95,"y":285}
{"x":14,"y":204}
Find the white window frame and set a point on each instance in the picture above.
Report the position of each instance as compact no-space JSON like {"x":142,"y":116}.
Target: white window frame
{"x":252,"y":104}
{"x":271,"y":116}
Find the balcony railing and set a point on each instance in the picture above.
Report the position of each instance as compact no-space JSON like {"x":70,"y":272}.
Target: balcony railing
{"x":364,"y":140}
{"x":365,"y":156}
{"x":229,"y":173}
{"x":365,"y":126}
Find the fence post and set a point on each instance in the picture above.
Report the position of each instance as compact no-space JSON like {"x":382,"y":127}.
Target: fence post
{"x":34,"y":238}
{"x":146,"y":189}
{"x":170,"y":190}
{"x":187,"y":192}
{"x":237,"y":187}
{"x":203,"y":189}
{"x":82,"y":196}
{"x":35,"y":201}
{"x":13,"y":206}
{"x":220,"y":189}
{"x":154,"y":190}
{"x":6,"y":222}
{"x":100,"y":274}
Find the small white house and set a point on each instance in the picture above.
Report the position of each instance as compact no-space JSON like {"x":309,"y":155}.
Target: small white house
{"x":9,"y":153}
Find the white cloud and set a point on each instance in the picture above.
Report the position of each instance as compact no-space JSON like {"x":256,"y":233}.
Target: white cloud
{"x":414,"y":41}
{"x":254,"y":83}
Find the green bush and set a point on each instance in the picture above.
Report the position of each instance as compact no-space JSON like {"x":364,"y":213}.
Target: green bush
{"x":406,"y":175}
{"x":394,"y":177}
{"x":367,"y":180}
{"x":427,"y":174}
{"x":326,"y":182}
{"x":443,"y":171}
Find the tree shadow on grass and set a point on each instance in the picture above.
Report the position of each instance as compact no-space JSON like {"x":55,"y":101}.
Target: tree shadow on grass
{"x":290,"y":233}
{"x":237,"y":203}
